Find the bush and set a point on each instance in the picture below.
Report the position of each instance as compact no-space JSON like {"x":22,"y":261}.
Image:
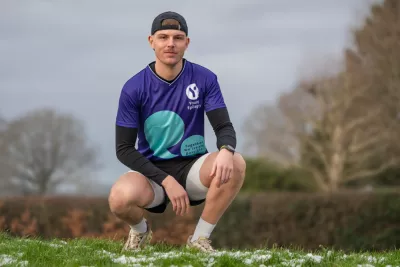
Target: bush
{"x":347,"y":220}
{"x":262,"y":175}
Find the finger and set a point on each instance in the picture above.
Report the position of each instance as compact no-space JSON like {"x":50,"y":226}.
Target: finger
{"x":230,"y":175}
{"x":222,"y":175}
{"x":226,"y":175}
{"x":214,"y":168}
{"x":178,"y":206}
{"x":181,"y":207}
{"x":173,"y":201}
{"x":187,"y":203}
{"x":184,"y":206}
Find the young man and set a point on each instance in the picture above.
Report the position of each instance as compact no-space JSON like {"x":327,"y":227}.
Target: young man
{"x":163,"y":106}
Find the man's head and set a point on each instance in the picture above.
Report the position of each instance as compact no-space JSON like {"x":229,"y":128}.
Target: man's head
{"x":169,"y":37}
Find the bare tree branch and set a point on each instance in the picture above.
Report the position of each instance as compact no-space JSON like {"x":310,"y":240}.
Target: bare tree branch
{"x":46,"y":149}
{"x":364,"y":173}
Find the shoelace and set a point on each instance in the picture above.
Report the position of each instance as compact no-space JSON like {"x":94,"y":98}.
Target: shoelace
{"x":206,"y":243}
{"x":134,"y":239}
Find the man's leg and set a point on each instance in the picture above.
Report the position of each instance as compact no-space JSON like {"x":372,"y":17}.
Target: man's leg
{"x":128,"y":197}
{"x":217,"y":199}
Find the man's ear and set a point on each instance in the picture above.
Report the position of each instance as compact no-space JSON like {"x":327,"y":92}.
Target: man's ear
{"x":150,"y":39}
{"x":188,"y":42}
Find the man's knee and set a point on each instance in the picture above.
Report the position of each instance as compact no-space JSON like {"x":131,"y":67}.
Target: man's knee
{"x":130,"y":189}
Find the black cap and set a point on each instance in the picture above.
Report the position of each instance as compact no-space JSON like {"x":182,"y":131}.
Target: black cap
{"x":174,"y":21}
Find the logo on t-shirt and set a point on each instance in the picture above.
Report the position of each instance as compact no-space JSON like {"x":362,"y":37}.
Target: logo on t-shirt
{"x":193,"y":92}
{"x":165,"y":129}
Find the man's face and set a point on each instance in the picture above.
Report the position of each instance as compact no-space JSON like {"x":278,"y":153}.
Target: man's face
{"x":169,"y":45}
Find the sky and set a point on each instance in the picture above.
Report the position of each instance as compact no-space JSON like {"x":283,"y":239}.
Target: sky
{"x":75,"y":56}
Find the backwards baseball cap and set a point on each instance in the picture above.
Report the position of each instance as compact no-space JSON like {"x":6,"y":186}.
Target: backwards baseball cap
{"x":169,"y":21}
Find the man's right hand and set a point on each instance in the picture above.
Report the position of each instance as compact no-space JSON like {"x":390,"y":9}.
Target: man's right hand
{"x":177,"y":194}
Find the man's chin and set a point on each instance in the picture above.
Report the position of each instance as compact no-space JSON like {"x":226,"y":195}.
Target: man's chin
{"x":171,"y":61}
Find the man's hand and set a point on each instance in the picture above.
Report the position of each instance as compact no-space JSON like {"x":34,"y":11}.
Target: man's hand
{"x":177,"y":194}
{"x":222,"y":169}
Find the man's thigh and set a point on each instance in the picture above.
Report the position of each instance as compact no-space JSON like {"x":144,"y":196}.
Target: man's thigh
{"x":197,"y":180}
{"x":159,"y":195}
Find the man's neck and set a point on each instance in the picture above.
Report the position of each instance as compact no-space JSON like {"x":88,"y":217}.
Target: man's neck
{"x":166,"y":72}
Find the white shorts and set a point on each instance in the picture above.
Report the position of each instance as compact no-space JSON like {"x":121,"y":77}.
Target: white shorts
{"x":194,"y":187}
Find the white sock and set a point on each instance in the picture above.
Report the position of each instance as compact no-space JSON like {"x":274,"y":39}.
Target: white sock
{"x":203,"y":229}
{"x":140,"y":227}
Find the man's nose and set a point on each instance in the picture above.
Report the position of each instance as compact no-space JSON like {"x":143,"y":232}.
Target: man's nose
{"x":171,"y":42}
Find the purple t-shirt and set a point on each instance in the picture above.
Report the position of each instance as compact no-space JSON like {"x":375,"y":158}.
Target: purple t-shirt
{"x":169,"y":116}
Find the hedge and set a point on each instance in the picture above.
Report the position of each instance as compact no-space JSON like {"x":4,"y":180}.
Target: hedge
{"x":346,"y":221}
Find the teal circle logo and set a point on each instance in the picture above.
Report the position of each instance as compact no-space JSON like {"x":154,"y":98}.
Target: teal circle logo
{"x":163,"y":130}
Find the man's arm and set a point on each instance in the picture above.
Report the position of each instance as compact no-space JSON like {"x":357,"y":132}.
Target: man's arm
{"x":127,"y":124}
{"x":218,"y":115}
{"x":127,"y":154}
{"x":222,"y":126}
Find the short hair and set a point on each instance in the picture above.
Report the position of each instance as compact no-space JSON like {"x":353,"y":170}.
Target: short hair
{"x":170,"y":22}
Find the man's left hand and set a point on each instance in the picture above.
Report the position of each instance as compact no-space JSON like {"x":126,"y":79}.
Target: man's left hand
{"x":222,"y":169}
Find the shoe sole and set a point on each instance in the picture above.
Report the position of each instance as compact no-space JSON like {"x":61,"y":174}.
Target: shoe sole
{"x":198,"y":249}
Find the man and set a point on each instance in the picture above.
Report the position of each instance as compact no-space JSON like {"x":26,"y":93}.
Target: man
{"x":163,"y":106}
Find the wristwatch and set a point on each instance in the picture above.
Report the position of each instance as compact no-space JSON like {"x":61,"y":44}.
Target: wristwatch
{"x":229,"y":148}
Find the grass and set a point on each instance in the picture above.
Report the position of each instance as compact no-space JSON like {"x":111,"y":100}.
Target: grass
{"x":97,"y":252}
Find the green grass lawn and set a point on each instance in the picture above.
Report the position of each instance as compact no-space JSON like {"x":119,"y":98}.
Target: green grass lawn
{"x":94,"y":252}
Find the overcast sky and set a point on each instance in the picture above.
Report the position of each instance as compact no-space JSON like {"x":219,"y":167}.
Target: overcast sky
{"x":76,"y":55}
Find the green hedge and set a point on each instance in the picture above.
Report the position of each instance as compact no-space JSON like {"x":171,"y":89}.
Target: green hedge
{"x":346,"y":221}
{"x":262,"y":175}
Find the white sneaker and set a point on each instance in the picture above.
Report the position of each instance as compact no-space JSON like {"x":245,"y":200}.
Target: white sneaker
{"x":203,"y":244}
{"x":137,"y":241}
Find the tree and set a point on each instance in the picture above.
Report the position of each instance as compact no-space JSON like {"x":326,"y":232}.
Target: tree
{"x":3,"y":124}
{"x":342,"y":127}
{"x":336,"y":130}
{"x":351,"y":134}
{"x":269,"y":136}
{"x":5,"y":183}
{"x":376,"y":48}
{"x":45,"y":149}
{"x":376,"y":51}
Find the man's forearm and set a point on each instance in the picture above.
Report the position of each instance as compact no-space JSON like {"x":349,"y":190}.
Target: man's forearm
{"x":226,"y":135}
{"x":223,"y":127}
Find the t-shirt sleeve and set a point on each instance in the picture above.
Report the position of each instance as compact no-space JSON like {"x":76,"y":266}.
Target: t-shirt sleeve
{"x":128,"y":110}
{"x":213,"y":95}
